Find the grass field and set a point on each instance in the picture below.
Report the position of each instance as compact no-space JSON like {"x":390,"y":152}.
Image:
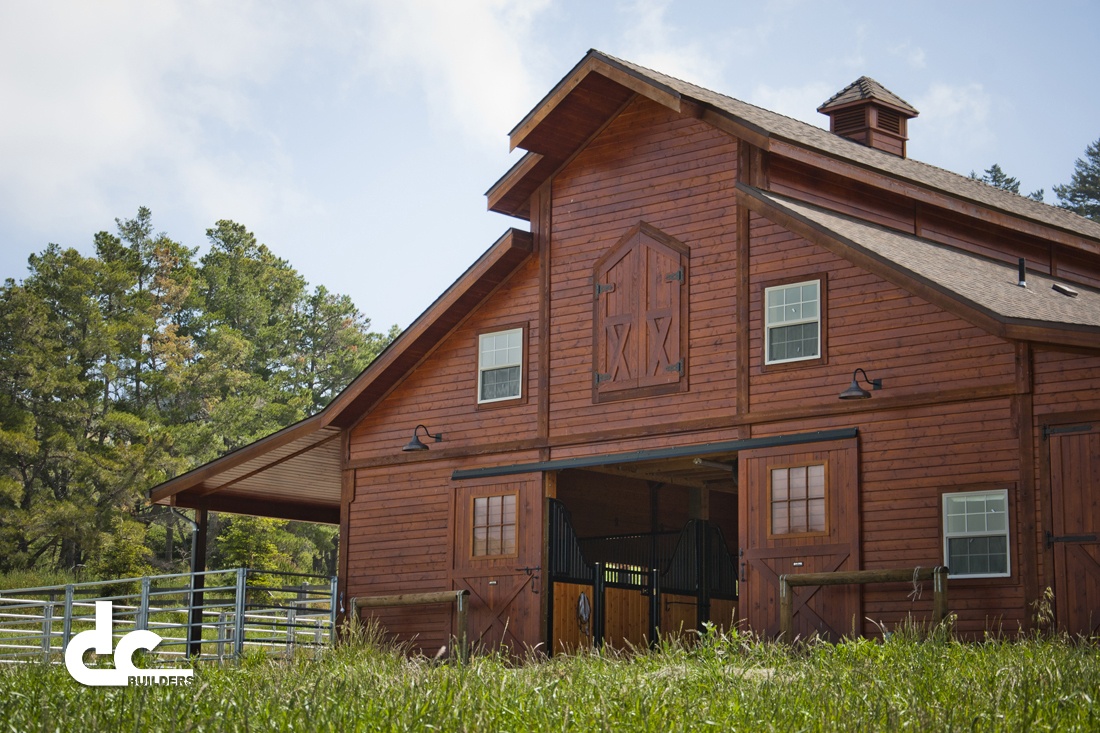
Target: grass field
{"x":732,"y":682}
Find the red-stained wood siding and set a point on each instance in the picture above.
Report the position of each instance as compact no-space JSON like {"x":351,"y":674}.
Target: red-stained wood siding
{"x":871,"y":324}
{"x":1066,"y":391}
{"x":1065,"y":383}
{"x":442,"y":392}
{"x":399,"y":540}
{"x":676,"y":174}
{"x":908,"y":458}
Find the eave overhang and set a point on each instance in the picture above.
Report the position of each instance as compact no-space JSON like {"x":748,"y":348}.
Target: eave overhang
{"x":296,"y":473}
{"x":598,"y":87}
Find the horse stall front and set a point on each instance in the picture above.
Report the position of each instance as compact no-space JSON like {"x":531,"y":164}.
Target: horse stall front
{"x":631,"y":560}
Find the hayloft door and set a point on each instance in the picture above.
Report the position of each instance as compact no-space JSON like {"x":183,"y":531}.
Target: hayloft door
{"x":1075,"y":539}
{"x":497,"y":554}
{"x":799,"y":513}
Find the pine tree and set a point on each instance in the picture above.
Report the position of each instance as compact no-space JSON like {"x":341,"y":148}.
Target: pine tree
{"x":1082,"y":194}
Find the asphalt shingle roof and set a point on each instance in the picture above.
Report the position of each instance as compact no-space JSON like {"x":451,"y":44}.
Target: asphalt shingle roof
{"x":988,"y":284}
{"x":929,"y":176}
{"x":867,"y":88}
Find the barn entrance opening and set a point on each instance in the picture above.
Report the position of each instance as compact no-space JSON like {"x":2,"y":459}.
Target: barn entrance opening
{"x":641,"y":551}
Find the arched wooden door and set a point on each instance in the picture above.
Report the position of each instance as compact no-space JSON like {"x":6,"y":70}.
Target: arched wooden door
{"x":799,"y":513}
{"x":1075,"y":540}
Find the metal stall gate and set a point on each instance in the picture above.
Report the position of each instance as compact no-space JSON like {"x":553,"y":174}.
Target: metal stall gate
{"x":625,"y":590}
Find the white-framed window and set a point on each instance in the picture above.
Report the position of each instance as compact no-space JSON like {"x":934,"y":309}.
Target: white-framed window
{"x":500,"y":366}
{"x":792,"y":322}
{"x":975,"y":534}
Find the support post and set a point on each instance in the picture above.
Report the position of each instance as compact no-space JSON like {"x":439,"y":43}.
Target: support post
{"x":702,"y":574}
{"x":939,"y":597}
{"x":786,"y":611}
{"x":47,"y":628}
{"x":142,"y":620}
{"x":67,"y":624}
{"x":198,"y":582}
{"x":461,"y":626}
{"x":238,"y":616}
{"x":654,"y":606}
{"x":599,"y":600}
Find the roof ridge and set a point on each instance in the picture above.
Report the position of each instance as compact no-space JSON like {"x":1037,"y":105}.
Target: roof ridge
{"x":890,"y":164}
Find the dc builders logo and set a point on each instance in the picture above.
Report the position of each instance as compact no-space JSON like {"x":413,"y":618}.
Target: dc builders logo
{"x":125,"y":673}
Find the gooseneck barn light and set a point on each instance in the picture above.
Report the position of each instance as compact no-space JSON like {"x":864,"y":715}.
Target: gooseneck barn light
{"x":855,"y":392}
{"x":416,"y":445}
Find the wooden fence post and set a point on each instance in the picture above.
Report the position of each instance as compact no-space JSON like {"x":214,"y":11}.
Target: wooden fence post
{"x":939,"y":598}
{"x":786,"y":611}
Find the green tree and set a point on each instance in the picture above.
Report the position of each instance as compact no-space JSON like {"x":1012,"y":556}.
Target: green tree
{"x":997,"y":178}
{"x":121,"y":370}
{"x":1082,"y":194}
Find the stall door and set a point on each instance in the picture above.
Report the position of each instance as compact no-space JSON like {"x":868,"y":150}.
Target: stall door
{"x":497,"y":553}
{"x":799,"y":513}
{"x":1075,"y":489}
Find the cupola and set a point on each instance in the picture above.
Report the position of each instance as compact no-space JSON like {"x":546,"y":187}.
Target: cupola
{"x":870,"y":114}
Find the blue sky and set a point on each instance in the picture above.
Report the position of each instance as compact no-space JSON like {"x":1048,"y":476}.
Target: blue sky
{"x":357,"y":139}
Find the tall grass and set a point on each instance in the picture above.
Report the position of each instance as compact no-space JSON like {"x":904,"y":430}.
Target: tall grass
{"x":726,"y":682}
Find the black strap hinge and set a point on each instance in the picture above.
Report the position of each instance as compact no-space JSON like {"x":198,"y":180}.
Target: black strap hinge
{"x":677,"y":276}
{"x":1051,"y":538}
{"x":602,"y":377}
{"x":1049,"y":431}
{"x":677,"y":367}
{"x":602,"y":288}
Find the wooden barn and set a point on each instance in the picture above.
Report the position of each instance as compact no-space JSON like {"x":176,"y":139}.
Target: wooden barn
{"x":729,"y":347}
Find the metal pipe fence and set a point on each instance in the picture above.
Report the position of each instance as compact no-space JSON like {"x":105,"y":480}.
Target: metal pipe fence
{"x":222,"y":616}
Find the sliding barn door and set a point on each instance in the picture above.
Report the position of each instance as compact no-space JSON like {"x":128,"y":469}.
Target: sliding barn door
{"x":799,"y":513}
{"x":1075,"y":494}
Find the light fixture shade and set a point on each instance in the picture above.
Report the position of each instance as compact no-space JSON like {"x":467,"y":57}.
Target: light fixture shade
{"x":415,"y":444}
{"x":854,"y":392}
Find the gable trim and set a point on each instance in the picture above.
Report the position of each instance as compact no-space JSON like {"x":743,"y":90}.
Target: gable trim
{"x":593,"y":62}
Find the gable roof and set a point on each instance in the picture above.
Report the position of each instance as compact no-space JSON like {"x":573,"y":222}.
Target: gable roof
{"x":295,"y":473}
{"x":861,"y":90}
{"x":981,"y":290}
{"x":768,"y":130}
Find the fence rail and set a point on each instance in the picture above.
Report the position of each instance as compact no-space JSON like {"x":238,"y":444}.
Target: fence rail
{"x":213,"y":615}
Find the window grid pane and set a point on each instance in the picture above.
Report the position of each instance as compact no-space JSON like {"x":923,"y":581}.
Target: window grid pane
{"x":792,"y":318}
{"x":500,"y":365}
{"x":494,"y":525}
{"x":976,"y":533}
{"x":798,"y":500}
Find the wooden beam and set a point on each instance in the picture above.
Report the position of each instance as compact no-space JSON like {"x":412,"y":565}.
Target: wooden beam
{"x":261,"y":506}
{"x":918,"y":192}
{"x":515,"y":174}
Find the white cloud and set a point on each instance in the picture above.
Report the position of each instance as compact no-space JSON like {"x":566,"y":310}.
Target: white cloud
{"x":913,"y":55}
{"x":653,"y":40}
{"x":100,"y":96}
{"x":952,"y":118}
{"x":470,"y":57}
